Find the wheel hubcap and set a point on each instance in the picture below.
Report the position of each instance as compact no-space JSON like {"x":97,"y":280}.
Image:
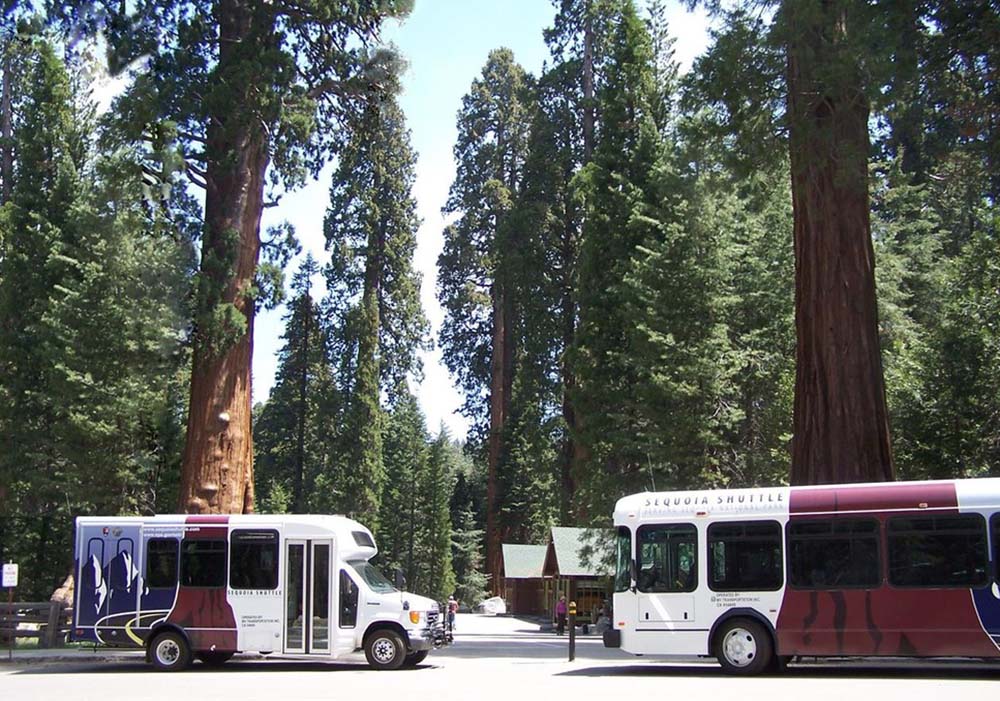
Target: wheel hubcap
{"x":383,"y":650}
{"x":739,"y":647}
{"x":167,"y":652}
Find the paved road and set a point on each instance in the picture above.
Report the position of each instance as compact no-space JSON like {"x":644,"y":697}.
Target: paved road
{"x":492,"y":659}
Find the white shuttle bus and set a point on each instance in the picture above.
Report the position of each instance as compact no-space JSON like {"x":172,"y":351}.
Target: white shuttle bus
{"x":205,"y":587}
{"x":754,"y":577}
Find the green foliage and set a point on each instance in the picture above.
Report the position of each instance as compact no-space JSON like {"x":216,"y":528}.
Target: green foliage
{"x":415,"y":525}
{"x":370,"y":229}
{"x":436,"y":493}
{"x":490,"y":151}
{"x":620,"y":217}
{"x":92,"y":283}
{"x":292,"y":430}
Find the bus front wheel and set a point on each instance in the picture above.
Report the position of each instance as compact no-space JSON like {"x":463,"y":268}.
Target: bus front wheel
{"x":743,"y":646}
{"x":385,"y":650}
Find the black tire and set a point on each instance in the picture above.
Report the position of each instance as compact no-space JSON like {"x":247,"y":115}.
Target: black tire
{"x":169,"y":652}
{"x":213,"y":658}
{"x":415,"y":658}
{"x":384,"y":650}
{"x":743,"y":647}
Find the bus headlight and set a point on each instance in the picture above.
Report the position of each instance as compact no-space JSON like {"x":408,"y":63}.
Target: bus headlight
{"x":414,"y":617}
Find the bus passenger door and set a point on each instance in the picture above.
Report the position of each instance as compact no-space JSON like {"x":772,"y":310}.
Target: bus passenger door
{"x":308,"y":589}
{"x":666,"y":576}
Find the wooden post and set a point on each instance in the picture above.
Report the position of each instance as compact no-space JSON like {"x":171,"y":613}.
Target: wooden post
{"x":51,"y":637}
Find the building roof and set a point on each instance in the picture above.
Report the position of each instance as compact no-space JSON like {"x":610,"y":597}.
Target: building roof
{"x":578,"y":552}
{"x":523,"y":561}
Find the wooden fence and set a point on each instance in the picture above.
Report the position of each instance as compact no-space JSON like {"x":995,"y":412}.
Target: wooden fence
{"x":48,"y":621}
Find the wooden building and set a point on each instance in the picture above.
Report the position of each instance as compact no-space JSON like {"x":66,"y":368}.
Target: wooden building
{"x":522,"y":586}
{"x":577,"y":564}
{"x":574,"y":562}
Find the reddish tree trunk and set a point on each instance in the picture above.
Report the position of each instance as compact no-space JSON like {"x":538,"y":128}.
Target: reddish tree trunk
{"x":498,"y":407}
{"x":841,"y":426}
{"x":217,"y":470}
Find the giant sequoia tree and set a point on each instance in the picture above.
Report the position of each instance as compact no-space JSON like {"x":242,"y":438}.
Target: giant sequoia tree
{"x":250,"y":90}
{"x":478,"y":335}
{"x":841,"y":424}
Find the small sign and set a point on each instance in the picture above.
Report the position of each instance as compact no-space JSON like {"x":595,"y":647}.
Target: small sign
{"x":10,"y":575}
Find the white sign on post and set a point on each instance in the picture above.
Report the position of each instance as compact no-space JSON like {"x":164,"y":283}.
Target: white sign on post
{"x":10,"y":575}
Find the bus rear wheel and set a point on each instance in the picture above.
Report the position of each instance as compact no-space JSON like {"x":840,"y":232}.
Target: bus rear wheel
{"x":169,"y":652}
{"x":742,"y":646}
{"x":214,"y":658}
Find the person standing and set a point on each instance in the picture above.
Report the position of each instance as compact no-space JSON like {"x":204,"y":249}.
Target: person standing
{"x":561,"y":615}
{"x":452,"y":610}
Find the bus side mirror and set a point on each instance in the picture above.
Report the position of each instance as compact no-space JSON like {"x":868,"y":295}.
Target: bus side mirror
{"x":400,"y":580}
{"x":633,"y":573}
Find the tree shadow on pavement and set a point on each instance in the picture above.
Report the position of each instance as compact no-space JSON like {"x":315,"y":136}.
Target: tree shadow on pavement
{"x":916,"y":670}
{"x":234,"y":667}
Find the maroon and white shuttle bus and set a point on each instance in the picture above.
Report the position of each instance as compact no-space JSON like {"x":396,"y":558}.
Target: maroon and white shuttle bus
{"x":754,"y":577}
{"x":206,"y":587}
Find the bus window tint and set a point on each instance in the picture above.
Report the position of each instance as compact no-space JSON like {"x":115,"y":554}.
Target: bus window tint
{"x":667,"y":558}
{"x":348,"y":601}
{"x":623,"y":545}
{"x":253,"y":561}
{"x":745,"y":556}
{"x":203,"y":563}
{"x":834,"y":554}
{"x":937,"y":551}
{"x":161,"y":563}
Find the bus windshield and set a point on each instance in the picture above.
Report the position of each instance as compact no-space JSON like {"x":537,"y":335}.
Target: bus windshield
{"x":373,"y":578}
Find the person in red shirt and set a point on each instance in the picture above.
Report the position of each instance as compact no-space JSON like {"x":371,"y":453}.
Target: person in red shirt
{"x":561,"y":615}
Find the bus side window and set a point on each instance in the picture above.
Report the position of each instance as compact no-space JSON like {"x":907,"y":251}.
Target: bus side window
{"x":161,"y":563}
{"x":938,"y":550}
{"x":745,"y":556}
{"x":253,"y":559}
{"x":203,"y":563}
{"x":348,"y":601}
{"x":837,"y":553}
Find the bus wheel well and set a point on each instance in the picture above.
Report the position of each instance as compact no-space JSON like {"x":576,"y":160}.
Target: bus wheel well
{"x":753,"y":615}
{"x":387,"y":625}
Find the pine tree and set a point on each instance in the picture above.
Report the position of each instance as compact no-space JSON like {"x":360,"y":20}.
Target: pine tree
{"x":436,"y":493}
{"x":470,"y":580}
{"x":370,"y":230}
{"x":618,"y":195}
{"x":291,"y":432}
{"x":401,"y":531}
{"x":90,"y":279}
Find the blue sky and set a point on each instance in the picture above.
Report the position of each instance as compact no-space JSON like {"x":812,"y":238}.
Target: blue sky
{"x":445,"y":43}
